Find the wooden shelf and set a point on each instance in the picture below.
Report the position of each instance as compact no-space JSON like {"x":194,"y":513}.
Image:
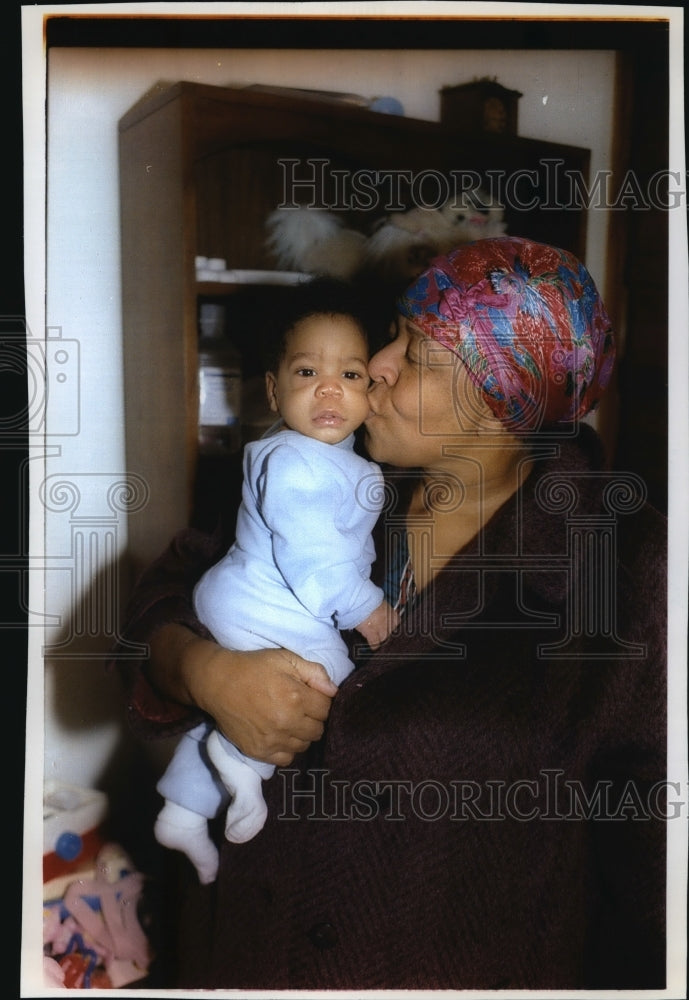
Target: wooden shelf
{"x":201,"y":167}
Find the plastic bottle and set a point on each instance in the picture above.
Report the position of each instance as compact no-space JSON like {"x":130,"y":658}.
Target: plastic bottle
{"x":220,"y":385}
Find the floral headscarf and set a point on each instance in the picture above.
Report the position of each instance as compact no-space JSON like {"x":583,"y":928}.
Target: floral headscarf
{"x":526,"y":320}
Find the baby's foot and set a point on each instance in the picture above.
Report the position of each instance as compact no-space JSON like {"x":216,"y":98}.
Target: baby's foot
{"x":246,"y":814}
{"x":181,"y":830}
{"x":245,"y":818}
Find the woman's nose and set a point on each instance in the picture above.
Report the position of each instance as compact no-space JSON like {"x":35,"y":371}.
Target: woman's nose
{"x":383,"y":366}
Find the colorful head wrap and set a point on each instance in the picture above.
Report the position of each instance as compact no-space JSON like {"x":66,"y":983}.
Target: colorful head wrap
{"x":526,"y":320}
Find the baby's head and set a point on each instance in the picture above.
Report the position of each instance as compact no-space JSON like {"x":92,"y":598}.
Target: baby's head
{"x":317,"y":366}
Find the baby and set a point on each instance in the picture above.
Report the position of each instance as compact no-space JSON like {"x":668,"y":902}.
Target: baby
{"x":299,"y":569}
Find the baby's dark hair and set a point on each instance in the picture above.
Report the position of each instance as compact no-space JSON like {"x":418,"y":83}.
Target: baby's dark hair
{"x":320,"y":296}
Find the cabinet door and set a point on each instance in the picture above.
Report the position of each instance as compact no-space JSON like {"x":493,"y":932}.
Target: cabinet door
{"x":159,"y":323}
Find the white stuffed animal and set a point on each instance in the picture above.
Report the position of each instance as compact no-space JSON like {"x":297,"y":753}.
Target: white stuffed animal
{"x":314,"y":240}
{"x":399,"y":248}
{"x":403,"y":244}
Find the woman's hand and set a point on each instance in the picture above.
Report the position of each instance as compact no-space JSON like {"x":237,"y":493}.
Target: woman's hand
{"x":271,"y":703}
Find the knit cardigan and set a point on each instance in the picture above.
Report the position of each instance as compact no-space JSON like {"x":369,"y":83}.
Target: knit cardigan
{"x":485,"y":809}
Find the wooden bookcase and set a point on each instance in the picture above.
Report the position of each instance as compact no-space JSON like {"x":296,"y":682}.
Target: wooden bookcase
{"x":200,"y":170}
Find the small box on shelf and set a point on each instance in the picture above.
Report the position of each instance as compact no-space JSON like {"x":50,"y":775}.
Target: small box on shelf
{"x":480,"y":106}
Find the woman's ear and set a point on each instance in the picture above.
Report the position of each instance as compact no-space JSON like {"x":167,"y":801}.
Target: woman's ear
{"x":272,"y":392}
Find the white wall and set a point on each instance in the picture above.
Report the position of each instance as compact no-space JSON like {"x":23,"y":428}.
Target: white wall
{"x":567,"y":97}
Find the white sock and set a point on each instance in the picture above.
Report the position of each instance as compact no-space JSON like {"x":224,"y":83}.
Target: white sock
{"x":247,"y":813}
{"x":182,"y":830}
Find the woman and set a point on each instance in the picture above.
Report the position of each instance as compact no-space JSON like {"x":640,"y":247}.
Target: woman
{"x":484,"y":810}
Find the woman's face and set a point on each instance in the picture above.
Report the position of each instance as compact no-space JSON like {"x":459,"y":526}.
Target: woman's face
{"x":422,"y":401}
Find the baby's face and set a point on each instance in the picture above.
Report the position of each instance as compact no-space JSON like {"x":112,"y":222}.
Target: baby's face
{"x":321,"y":385}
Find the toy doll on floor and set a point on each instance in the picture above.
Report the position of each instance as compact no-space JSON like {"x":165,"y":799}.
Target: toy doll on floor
{"x":300,"y":567}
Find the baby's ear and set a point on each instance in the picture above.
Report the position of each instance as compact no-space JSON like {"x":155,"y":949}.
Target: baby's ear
{"x":272,"y":392}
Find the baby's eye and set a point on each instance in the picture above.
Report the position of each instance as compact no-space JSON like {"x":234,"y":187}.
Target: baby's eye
{"x":306,"y":372}
{"x":352,"y":375}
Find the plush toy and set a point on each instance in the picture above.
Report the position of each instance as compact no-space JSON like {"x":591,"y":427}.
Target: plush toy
{"x":91,"y":934}
{"x":314,"y":240}
{"x":403,"y":244}
{"x":399,"y":247}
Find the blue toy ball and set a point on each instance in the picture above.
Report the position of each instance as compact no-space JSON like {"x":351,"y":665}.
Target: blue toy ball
{"x":387,"y":105}
{"x":68,"y":846}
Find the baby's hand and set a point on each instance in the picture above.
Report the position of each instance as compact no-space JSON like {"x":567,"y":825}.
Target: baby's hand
{"x":379,"y":624}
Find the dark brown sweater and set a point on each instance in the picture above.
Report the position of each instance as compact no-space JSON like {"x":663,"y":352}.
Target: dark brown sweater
{"x":486,"y":809}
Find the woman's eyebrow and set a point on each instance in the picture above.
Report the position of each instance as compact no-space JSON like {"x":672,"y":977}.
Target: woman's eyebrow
{"x":415,"y":331}
{"x":407,"y":325}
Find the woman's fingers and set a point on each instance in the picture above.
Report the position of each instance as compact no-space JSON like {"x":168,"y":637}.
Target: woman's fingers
{"x":270,"y":703}
{"x":261,"y":703}
{"x":312,"y":674}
